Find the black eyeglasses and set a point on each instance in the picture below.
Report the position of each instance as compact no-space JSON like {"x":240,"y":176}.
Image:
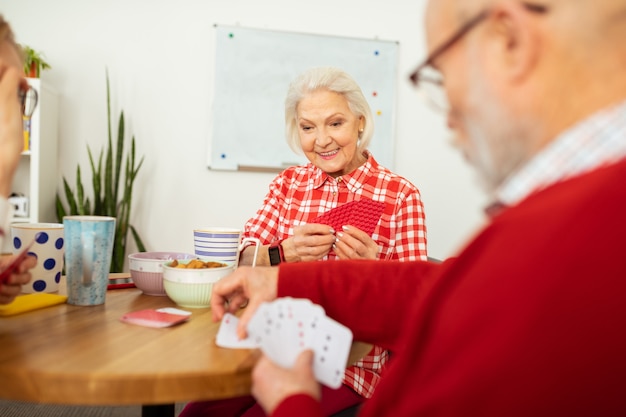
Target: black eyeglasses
{"x":428,"y":77}
{"x":28,"y":100}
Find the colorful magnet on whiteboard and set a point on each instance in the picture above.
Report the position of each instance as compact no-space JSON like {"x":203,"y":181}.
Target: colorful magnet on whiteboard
{"x":375,"y":94}
{"x":223,"y":156}
{"x":379,"y":112}
{"x":231,"y":35}
{"x":376,"y":52}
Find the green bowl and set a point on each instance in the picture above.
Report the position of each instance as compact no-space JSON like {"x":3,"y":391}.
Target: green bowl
{"x":189,"y":295}
{"x":192,"y":288}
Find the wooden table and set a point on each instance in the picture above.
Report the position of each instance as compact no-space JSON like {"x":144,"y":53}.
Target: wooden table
{"x":79,"y":355}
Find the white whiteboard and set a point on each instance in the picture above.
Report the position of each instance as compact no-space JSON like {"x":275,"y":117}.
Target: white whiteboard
{"x":253,"y":69}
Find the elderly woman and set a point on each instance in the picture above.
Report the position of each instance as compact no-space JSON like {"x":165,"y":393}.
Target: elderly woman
{"x":329,"y":120}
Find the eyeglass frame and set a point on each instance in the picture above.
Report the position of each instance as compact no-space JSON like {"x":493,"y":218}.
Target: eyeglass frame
{"x":415,"y":78}
{"x":23,"y":96}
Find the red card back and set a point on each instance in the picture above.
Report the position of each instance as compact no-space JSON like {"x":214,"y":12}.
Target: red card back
{"x":363,"y":214}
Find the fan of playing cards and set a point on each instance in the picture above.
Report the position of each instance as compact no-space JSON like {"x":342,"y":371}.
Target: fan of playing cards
{"x":285,"y":327}
{"x":362,"y":214}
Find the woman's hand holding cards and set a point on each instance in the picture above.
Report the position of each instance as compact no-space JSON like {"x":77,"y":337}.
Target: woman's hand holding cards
{"x":353,"y":243}
{"x":310,"y":242}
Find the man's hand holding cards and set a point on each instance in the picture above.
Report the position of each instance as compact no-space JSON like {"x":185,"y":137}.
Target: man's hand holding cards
{"x":285,"y":327}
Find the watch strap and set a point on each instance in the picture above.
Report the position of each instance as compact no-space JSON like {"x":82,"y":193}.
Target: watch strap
{"x":275,"y":252}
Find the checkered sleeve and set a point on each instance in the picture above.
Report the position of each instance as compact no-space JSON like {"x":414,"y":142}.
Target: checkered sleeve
{"x":411,"y":228}
{"x":363,"y":376}
{"x":264,"y":225}
{"x":401,"y":231}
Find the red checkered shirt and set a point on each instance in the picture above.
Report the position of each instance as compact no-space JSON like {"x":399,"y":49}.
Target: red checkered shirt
{"x":302,"y":193}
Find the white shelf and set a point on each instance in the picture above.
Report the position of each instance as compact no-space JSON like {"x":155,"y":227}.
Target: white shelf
{"x":37,"y":172}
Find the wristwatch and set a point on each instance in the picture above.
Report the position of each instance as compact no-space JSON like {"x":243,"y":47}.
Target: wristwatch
{"x":275,"y":252}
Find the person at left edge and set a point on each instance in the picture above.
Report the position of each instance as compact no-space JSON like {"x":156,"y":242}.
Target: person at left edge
{"x":12,"y":82}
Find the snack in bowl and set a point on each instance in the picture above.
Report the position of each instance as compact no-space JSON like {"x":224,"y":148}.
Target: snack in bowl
{"x":197,"y":264}
{"x":146,"y":269}
{"x":192,"y":287}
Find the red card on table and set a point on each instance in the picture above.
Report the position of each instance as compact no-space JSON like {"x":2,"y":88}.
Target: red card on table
{"x":163,"y":317}
{"x":362,"y":214}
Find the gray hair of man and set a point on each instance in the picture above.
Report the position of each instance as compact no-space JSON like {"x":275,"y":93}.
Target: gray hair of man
{"x":330,"y":79}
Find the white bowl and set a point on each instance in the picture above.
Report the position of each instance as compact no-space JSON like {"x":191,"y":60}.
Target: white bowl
{"x":146,"y":269}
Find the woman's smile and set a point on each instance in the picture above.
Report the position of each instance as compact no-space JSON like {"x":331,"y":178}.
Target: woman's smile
{"x":329,"y":154}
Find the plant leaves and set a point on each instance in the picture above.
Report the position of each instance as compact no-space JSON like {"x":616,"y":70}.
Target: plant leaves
{"x":140,"y":246}
{"x":80,"y":194}
{"x":119,"y":154}
{"x":69,"y":195}
{"x":95,"y":181}
{"x":59,"y":208}
{"x":106,"y":189}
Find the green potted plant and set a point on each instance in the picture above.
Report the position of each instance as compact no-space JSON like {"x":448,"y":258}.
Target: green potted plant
{"x":34,"y":62}
{"x":112,"y":192}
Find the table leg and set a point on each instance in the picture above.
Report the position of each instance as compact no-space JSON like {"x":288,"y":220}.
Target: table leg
{"x":159,"y":410}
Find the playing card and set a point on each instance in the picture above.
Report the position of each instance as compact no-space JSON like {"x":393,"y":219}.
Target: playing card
{"x":227,"y":334}
{"x":331,"y":345}
{"x":302,"y":319}
{"x":260,"y":327}
{"x":294,"y":325}
{"x":285,"y":327}
{"x":155,"y":318}
{"x":362,"y":214}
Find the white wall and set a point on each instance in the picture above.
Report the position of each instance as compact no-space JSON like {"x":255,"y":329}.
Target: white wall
{"x":159,"y":56}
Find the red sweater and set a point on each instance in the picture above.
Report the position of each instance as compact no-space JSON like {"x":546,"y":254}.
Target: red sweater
{"x":528,"y":320}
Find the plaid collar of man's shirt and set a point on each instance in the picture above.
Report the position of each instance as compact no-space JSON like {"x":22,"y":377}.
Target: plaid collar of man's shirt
{"x":594,"y":142}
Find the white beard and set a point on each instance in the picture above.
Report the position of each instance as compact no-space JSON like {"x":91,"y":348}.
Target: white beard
{"x":496,"y":144}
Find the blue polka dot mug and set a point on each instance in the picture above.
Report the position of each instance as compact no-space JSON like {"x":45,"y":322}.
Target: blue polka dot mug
{"x":48,"y":247}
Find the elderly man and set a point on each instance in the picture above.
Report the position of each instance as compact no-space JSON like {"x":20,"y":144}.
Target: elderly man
{"x":528,"y":319}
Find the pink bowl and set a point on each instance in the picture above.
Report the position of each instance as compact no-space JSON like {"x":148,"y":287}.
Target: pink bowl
{"x":146,"y":269}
